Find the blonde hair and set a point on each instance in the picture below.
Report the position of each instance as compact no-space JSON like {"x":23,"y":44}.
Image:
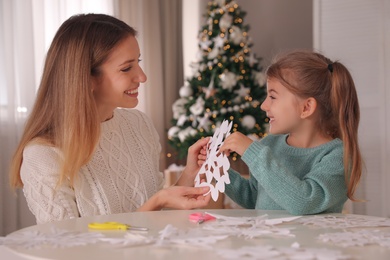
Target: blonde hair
{"x":65,"y":114}
{"x":309,"y":74}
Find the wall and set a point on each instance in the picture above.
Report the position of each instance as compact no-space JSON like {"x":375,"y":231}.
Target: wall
{"x":357,"y":32}
{"x":275,"y":26}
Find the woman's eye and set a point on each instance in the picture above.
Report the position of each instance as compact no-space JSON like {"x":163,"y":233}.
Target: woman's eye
{"x":271,"y":97}
{"x":126,"y":69}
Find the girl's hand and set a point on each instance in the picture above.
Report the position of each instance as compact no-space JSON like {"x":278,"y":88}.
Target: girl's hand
{"x":236,"y":142}
{"x":193,"y":162}
{"x":178,"y":197}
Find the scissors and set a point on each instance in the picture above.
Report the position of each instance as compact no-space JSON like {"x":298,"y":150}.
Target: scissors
{"x":114,"y":226}
{"x":200,"y":217}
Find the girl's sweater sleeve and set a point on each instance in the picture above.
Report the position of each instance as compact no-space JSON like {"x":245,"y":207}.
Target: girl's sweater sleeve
{"x":40,"y":174}
{"x":321,"y":188}
{"x":241,"y":190}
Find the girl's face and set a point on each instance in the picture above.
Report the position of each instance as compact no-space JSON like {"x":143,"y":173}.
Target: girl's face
{"x":282,"y":108}
{"x":119,"y":80}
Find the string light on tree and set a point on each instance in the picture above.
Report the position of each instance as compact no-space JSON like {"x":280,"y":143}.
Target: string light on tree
{"x":227,"y":82}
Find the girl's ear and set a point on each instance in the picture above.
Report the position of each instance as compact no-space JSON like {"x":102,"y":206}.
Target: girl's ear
{"x":309,"y":107}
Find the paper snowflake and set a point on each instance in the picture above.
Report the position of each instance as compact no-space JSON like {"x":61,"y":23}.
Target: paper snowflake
{"x":214,"y":169}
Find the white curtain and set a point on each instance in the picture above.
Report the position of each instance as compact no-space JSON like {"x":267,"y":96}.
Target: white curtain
{"x":26,"y":30}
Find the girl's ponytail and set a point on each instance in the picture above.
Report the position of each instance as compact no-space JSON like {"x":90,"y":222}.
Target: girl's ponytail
{"x":345,"y":106}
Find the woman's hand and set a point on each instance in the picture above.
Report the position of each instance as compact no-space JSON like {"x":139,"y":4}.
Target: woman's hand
{"x":178,"y":197}
{"x":193,"y":162}
{"x":236,"y":142}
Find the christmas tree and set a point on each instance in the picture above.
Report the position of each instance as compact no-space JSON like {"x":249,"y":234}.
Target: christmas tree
{"x":227,"y":82}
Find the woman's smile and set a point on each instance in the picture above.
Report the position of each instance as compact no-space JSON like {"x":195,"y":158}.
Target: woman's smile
{"x":132,"y":92}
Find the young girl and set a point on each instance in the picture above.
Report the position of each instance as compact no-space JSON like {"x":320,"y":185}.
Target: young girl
{"x":79,"y":155}
{"x":310,"y":162}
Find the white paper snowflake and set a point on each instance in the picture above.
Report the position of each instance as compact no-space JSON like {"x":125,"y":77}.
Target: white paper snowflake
{"x":215,"y":169}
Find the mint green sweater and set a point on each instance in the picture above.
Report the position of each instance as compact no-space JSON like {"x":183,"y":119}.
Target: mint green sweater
{"x":282,"y":177}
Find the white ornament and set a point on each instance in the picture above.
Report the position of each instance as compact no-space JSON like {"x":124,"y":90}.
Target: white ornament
{"x":172,"y":132}
{"x":228,"y":80}
{"x":189,"y":131}
{"x":236,"y":35}
{"x":243,"y":91}
{"x":182,"y":119}
{"x":204,"y":45}
{"x":248,"y":121}
{"x":225,"y":22}
{"x":213,"y":53}
{"x":252,"y":59}
{"x":185,"y":91}
{"x":178,"y":107}
{"x":261,"y":78}
{"x":198,"y":107}
{"x":219,"y":41}
{"x":204,"y":122}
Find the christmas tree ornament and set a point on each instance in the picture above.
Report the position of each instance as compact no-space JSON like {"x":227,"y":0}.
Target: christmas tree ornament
{"x":185,"y":91}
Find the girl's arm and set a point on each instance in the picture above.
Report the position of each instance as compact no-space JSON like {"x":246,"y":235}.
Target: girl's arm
{"x":319,"y":190}
{"x":241,"y":190}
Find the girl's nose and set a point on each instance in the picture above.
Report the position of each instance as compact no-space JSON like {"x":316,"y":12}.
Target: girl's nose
{"x":264,"y":105}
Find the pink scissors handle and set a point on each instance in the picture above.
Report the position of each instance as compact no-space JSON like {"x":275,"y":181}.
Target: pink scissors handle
{"x":200,"y":217}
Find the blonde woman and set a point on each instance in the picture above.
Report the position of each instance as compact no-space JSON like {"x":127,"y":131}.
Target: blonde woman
{"x":80,"y":155}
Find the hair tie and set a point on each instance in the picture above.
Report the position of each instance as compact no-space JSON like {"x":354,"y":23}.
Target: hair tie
{"x":330,"y":67}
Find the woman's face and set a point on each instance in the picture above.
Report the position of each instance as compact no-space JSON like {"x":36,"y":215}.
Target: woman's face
{"x":119,"y":79}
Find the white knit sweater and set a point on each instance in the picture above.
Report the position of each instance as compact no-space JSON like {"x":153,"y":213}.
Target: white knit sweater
{"x":121,"y":176}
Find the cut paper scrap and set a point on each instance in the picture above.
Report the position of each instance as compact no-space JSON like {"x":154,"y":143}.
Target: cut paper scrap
{"x":130,"y":239}
{"x":345,"y":221}
{"x":269,"y":252}
{"x":249,"y":227}
{"x":193,"y":237}
{"x":259,"y":220}
{"x":357,"y":238}
{"x":214,"y":169}
{"x":56,"y":238}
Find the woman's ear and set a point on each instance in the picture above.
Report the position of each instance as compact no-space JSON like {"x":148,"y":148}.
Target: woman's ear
{"x":93,"y":83}
{"x":309,"y":107}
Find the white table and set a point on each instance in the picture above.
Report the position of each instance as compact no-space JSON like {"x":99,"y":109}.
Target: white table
{"x":306,"y":236}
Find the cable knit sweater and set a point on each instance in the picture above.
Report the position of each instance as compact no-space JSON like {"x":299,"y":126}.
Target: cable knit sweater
{"x":121,"y":176}
{"x":282,"y":177}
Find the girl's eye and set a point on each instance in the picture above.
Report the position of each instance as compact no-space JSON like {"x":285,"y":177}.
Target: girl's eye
{"x":271,"y":97}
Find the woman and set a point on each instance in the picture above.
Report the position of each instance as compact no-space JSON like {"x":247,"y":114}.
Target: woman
{"x":79,"y":154}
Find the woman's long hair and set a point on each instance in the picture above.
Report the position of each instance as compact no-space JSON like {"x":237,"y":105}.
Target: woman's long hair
{"x":65,"y":114}
{"x":309,"y":74}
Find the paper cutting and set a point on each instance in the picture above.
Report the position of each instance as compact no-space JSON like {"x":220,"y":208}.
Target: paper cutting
{"x":213,"y":172}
